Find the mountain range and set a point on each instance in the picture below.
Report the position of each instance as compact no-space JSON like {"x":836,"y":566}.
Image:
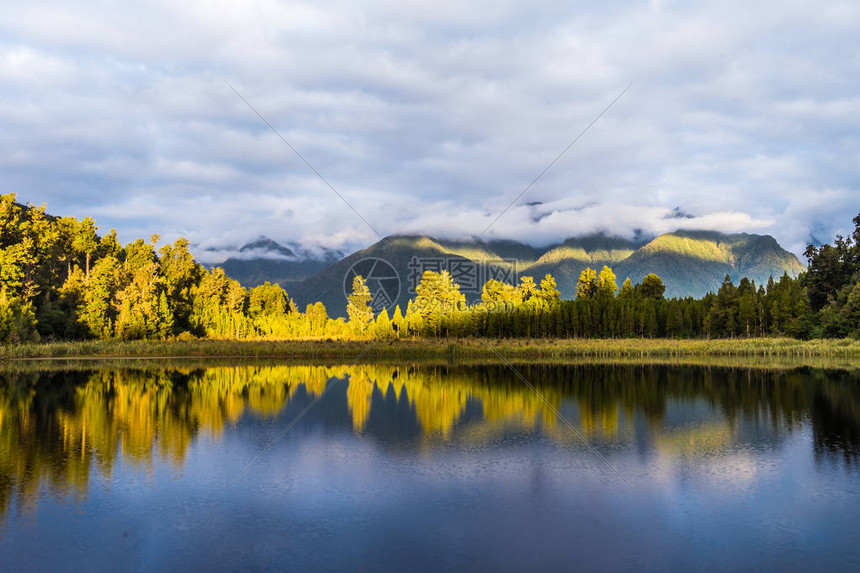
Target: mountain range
{"x":264,"y":260}
{"x":691,"y":263}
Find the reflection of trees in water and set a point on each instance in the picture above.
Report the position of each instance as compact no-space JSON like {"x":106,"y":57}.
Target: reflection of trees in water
{"x":55,"y":427}
{"x":30,"y":438}
{"x":835,"y":415}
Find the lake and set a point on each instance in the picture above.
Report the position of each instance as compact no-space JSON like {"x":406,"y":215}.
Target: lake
{"x":579,"y":467}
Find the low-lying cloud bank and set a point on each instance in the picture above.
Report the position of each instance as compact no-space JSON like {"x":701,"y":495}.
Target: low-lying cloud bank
{"x":432,"y":117}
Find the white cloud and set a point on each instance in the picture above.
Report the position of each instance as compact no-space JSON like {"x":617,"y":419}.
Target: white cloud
{"x":431,"y":117}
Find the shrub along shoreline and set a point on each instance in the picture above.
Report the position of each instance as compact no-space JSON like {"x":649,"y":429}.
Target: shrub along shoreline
{"x":465,"y":348}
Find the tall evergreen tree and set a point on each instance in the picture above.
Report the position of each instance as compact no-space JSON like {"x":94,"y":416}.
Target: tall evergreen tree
{"x":651,"y":287}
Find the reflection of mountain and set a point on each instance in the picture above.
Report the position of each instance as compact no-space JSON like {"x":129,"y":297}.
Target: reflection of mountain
{"x":56,"y":427}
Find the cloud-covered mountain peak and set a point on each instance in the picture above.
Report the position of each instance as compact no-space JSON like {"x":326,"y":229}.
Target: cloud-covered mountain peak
{"x":263,"y":247}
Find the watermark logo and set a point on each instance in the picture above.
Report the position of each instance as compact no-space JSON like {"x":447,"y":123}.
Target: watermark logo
{"x":384,"y":283}
{"x":381,"y":278}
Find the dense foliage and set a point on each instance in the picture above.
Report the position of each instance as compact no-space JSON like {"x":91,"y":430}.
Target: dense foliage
{"x":60,"y":280}
{"x":833,"y":284}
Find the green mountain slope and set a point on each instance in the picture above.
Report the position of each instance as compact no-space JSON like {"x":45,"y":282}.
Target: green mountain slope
{"x":690,"y":263}
{"x":566,"y":261}
{"x":694,"y":263}
{"x":328,"y":285}
{"x":254,"y":272}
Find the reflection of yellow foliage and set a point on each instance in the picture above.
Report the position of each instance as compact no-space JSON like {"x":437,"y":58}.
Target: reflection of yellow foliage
{"x":603,"y":420}
{"x":438,"y":408}
{"x":694,"y":441}
{"x":358,"y":396}
{"x":313,"y":378}
{"x":507,"y":405}
{"x":145,"y":414}
{"x":140,"y":414}
{"x":439,"y":397}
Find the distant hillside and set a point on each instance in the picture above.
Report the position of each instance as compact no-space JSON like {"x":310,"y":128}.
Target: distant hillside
{"x":266,"y":246}
{"x":566,"y":261}
{"x":694,"y":263}
{"x":255,"y":272}
{"x":328,"y":285}
{"x":690,"y":263}
{"x":264,"y":260}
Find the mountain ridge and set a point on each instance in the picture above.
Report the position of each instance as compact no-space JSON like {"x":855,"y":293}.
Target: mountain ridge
{"x":691,"y":263}
{"x":264,"y":259}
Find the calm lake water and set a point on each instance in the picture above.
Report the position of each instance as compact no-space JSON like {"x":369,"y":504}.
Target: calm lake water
{"x":430,"y":468}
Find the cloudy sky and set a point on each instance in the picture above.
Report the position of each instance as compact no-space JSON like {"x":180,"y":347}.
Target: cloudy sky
{"x":432,"y":116}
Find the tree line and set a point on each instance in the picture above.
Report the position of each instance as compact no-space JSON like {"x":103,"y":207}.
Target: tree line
{"x":60,"y":280}
{"x":604,"y":311}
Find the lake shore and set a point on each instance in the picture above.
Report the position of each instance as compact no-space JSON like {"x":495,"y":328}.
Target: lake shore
{"x":457,"y":349}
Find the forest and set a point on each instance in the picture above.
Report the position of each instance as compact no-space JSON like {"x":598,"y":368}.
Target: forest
{"x":61,"y":280}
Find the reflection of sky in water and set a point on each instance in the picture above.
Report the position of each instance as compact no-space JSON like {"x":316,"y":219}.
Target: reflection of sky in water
{"x":429,"y":469}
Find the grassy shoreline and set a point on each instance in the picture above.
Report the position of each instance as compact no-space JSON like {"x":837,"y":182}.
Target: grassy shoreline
{"x":468,"y":348}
